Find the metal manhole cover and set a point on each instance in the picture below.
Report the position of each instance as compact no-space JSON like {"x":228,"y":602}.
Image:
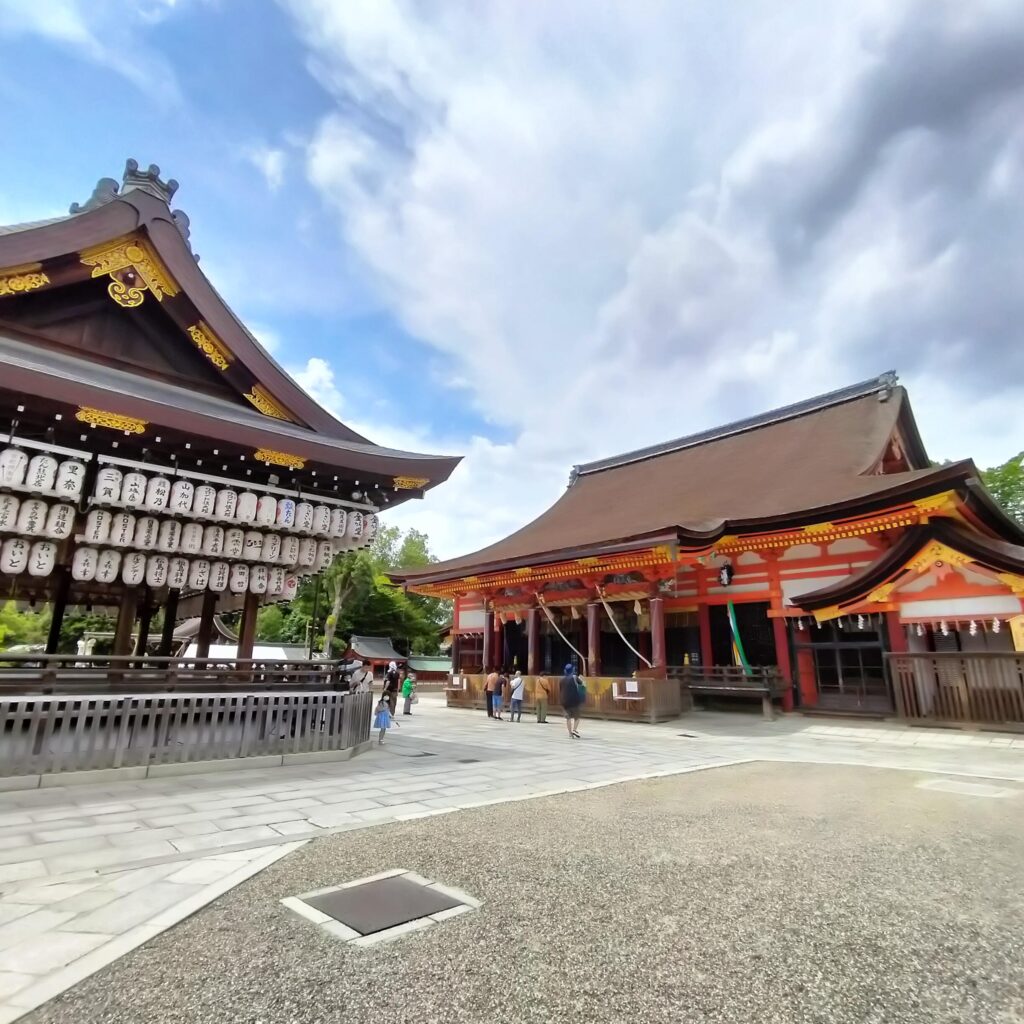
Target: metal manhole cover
{"x":381,"y":907}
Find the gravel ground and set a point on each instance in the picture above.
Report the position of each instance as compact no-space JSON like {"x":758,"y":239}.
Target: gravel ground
{"x":759,"y":893}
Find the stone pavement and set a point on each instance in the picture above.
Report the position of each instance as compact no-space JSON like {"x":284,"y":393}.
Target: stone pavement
{"x":89,"y":872}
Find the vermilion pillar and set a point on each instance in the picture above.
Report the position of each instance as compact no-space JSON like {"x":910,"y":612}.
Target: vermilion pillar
{"x":897,"y":633}
{"x":707,"y":657}
{"x":594,"y":638}
{"x":499,"y":642}
{"x":488,"y":641}
{"x":782,"y":659}
{"x":658,"y":654}
{"x":533,"y":642}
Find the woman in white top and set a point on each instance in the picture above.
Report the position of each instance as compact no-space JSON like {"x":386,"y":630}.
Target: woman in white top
{"x":518,"y":685}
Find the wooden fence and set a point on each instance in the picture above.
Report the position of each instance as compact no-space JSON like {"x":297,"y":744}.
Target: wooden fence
{"x":959,"y":689}
{"x":45,"y":734}
{"x":765,"y":682}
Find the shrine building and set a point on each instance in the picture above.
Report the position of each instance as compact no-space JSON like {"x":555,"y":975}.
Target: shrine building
{"x":816,"y":544}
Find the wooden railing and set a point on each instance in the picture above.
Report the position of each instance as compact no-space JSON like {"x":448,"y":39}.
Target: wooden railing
{"x":71,"y":674}
{"x":40,"y":735}
{"x":765,"y":682}
{"x":959,"y":689}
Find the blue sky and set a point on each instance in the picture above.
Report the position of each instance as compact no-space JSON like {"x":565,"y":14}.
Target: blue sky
{"x":537,"y":234}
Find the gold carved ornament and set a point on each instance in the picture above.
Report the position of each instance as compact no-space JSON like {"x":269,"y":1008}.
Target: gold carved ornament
{"x":18,"y":280}
{"x":210,"y":345}
{"x":411,"y":483}
{"x":133,"y":267}
{"x":112,"y":420}
{"x":936,"y":552}
{"x":259,"y":397}
{"x":1013,"y":581}
{"x":279,"y":458}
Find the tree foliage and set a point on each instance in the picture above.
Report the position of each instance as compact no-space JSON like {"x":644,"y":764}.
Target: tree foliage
{"x":1006,"y":483}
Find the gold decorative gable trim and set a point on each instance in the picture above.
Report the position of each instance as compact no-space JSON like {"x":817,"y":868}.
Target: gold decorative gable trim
{"x":112,"y":420}
{"x":279,"y":458}
{"x":937,"y":552}
{"x":411,"y":483}
{"x":266,"y":405}
{"x":210,"y":345}
{"x":26,"y":278}
{"x":133,"y":267}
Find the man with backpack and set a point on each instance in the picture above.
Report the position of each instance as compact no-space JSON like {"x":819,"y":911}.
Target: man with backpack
{"x":572,"y":692}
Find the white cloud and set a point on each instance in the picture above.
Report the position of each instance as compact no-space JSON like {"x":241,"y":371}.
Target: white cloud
{"x":621,"y":223}
{"x":270,"y":162}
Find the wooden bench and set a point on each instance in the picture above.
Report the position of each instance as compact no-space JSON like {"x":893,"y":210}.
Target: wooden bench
{"x":765,"y":682}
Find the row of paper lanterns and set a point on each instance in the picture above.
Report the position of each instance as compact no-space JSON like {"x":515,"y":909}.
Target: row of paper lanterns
{"x":35,"y":518}
{"x":41,"y":473}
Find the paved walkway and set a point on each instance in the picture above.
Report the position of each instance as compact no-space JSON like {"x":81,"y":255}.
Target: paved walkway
{"x":88,"y":873}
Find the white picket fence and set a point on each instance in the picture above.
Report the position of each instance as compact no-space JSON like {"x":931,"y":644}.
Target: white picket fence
{"x":49,"y":734}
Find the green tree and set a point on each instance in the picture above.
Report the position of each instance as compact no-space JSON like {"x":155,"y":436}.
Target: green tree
{"x":22,"y":626}
{"x":1006,"y":484}
{"x":270,"y":624}
{"x":350,"y":579}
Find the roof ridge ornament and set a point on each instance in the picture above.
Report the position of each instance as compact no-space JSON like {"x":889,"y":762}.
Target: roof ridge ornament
{"x":148,"y":181}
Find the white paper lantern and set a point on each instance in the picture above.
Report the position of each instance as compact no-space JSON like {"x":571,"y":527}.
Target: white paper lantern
{"x":289,"y":551}
{"x":266,"y":510}
{"x":133,"y":568}
{"x":70,"y":478}
{"x":97,"y":526}
{"x":168,"y":539}
{"x":291,"y":586}
{"x":108,"y":484}
{"x":275,"y":581}
{"x":258,"y":576}
{"x":42,"y":473}
{"x":191,"y":538}
{"x":122,"y":528}
{"x":271,"y":547}
{"x":220,"y":573}
{"x":304,"y":516}
{"x":182,"y":494}
{"x":253,"y":550}
{"x":14,"y":556}
{"x":177,"y":573}
{"x":226,"y":504}
{"x":107,"y":566}
{"x":199,"y":574}
{"x":83,"y":564}
{"x":213,"y":541}
{"x":147,"y":530}
{"x":204,"y":501}
{"x":354,"y":531}
{"x":13,"y":467}
{"x":9,"y":508}
{"x":156,"y":571}
{"x":371,"y":527}
{"x":246,"y":510}
{"x":158,"y":493}
{"x":324,"y":555}
{"x":322,"y":520}
{"x":307,"y":552}
{"x":239,"y":578}
{"x":339,"y":520}
{"x":42,"y":558}
{"x":133,"y":489}
{"x":285,"y":513}
{"x":32,"y":517}
{"x":234,"y":543}
{"x":60,"y":521}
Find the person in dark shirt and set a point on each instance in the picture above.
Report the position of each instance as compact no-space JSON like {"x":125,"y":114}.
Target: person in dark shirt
{"x":571,"y":694}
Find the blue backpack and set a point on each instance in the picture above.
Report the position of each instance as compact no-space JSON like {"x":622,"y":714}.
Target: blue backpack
{"x":581,"y":689}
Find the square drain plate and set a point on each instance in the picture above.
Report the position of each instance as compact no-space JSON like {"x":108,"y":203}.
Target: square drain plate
{"x":382,"y":907}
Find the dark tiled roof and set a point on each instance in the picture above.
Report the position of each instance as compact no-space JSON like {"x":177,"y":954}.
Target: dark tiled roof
{"x":374,"y":648}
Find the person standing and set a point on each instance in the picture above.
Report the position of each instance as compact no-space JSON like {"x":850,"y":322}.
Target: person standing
{"x":572,"y":693}
{"x":391,"y":680}
{"x":489,"y":684}
{"x":499,"y":694}
{"x":518,"y":685}
{"x":408,"y":692}
{"x":542,"y":693}
{"x":382,"y":717}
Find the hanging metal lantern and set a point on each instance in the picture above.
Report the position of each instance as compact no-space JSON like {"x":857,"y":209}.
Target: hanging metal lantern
{"x":339,"y":522}
{"x":321,"y":520}
{"x":177,"y":573}
{"x":234,"y":542}
{"x":204,"y":501}
{"x":183,"y":493}
{"x":168,"y":539}
{"x":266,"y":510}
{"x":199,"y":574}
{"x":253,"y":549}
{"x":226,"y":504}
{"x":220,"y":573}
{"x":147,"y":530}
{"x":14,"y":556}
{"x":271,"y":547}
{"x":60,"y":521}
{"x":239,"y":581}
{"x":158,"y":493}
{"x":275,"y":581}
{"x":13,"y":467}
{"x":108,"y":484}
{"x":9,"y":508}
{"x":42,"y":473}
{"x":83,"y":564}
{"x":70,"y":478}
{"x":247,"y":504}
{"x":307,"y":552}
{"x":32,"y":517}
{"x":304,"y":516}
{"x":213,"y":541}
{"x":258,"y":578}
{"x":289,"y":550}
{"x":42,"y":558}
{"x":97,"y":526}
{"x":133,"y":490}
{"x":156,"y":571}
{"x":285,"y":513}
{"x":108,"y":565}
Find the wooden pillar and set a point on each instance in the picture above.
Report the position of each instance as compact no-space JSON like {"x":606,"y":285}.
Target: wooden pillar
{"x":247,"y":630}
{"x":125,"y":621}
{"x":488,"y":641}
{"x":594,"y":638}
{"x":707,"y":657}
{"x":533,"y":642}
{"x":60,"y":603}
{"x":456,"y":651}
{"x":499,"y":642}
{"x":167,"y":636}
{"x":782,"y":659}
{"x":145,"y":617}
{"x":807,"y":678}
{"x":206,"y":624}
{"x":659,"y":658}
{"x":897,"y":633}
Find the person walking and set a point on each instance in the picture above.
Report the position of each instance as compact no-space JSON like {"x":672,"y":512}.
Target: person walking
{"x":542,"y":694}
{"x":572,"y":693}
{"x":489,"y":684}
{"x":391,"y":680}
{"x":408,"y":694}
{"x":382,"y":717}
{"x":518,"y":685}
{"x":499,"y":695}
